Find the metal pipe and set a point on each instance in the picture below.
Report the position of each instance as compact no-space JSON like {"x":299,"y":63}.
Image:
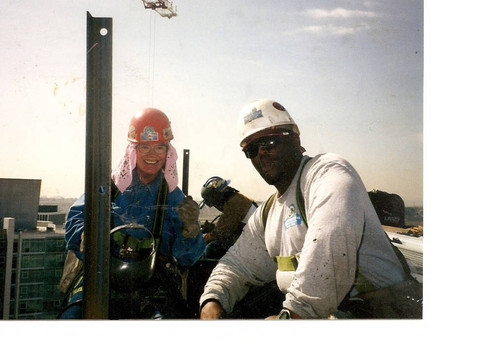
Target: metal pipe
{"x":185,"y":172}
{"x":97,"y":168}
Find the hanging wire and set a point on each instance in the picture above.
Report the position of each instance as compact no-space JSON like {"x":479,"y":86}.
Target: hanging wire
{"x":152,"y":54}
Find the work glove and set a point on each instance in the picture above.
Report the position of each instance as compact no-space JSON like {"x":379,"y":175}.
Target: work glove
{"x":189,"y":211}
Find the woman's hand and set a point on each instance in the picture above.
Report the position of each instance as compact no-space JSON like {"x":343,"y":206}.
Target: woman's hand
{"x":189,"y":211}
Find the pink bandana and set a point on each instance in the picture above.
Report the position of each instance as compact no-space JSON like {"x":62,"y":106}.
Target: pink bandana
{"x":122,"y":174}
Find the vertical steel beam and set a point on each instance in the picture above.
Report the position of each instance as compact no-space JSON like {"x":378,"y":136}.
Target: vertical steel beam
{"x":185,"y":172}
{"x":98,"y":168}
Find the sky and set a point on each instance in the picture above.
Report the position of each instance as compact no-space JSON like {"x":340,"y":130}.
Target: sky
{"x":350,"y":74}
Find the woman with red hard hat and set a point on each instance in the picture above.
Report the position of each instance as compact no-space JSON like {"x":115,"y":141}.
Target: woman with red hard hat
{"x":154,"y":230}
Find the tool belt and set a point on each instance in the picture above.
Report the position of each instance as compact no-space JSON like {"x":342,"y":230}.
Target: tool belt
{"x":399,"y":301}
{"x":403,"y":300}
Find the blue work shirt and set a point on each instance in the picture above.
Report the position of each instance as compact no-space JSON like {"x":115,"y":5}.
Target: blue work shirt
{"x":137,"y":204}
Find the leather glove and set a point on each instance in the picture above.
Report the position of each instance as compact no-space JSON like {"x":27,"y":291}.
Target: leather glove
{"x":189,"y":211}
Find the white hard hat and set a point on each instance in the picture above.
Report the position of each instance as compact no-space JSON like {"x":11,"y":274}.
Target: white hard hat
{"x":263,"y":114}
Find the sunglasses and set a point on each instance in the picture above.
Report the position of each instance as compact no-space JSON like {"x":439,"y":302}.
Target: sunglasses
{"x":266,"y":143}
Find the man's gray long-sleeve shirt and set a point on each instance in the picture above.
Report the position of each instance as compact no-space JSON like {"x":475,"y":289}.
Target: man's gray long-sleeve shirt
{"x":343,"y":235}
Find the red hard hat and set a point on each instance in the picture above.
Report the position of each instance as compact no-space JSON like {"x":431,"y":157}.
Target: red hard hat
{"x":150,"y":125}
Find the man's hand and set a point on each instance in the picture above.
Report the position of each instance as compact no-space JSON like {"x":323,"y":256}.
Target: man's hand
{"x":188,"y":213}
{"x":212,"y":310}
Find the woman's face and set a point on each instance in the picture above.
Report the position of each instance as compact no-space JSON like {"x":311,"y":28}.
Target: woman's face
{"x":150,"y":160}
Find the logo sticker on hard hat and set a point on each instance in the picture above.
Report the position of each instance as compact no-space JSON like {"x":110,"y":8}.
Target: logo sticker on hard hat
{"x":278,"y":106}
{"x":149,"y":134}
{"x":167,"y":134}
{"x":254,"y":114}
{"x":131,"y":132}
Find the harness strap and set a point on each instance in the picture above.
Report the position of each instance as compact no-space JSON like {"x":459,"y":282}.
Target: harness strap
{"x":78,"y":287}
{"x":161,"y":201}
{"x":299,"y":197}
{"x":401,"y":259}
{"x":290,"y":263}
{"x":267,"y":207}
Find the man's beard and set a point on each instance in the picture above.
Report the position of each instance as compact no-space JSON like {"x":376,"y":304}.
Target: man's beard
{"x":275,"y":177}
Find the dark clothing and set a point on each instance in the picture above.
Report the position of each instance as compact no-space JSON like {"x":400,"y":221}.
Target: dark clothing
{"x":160,"y":298}
{"x":229,"y":225}
{"x":141,"y":204}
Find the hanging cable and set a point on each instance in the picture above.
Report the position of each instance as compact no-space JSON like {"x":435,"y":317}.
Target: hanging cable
{"x":152,"y":55}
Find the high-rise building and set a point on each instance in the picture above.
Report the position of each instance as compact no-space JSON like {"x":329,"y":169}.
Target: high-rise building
{"x":31,"y":265}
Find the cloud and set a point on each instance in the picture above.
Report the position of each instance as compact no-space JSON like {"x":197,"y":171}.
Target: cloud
{"x":339,"y":13}
{"x":336,"y":30}
{"x":342,"y":21}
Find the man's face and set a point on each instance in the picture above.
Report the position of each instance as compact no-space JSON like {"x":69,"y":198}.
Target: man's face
{"x":150,"y":160}
{"x":272,"y":157}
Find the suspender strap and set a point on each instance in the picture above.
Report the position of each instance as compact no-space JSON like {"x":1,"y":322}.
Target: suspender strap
{"x":401,"y":259}
{"x":299,"y":197}
{"x":267,"y":207}
{"x":300,"y":204}
{"x":161,"y":201}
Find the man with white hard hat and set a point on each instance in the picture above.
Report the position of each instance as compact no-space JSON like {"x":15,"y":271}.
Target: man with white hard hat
{"x":318,"y":236}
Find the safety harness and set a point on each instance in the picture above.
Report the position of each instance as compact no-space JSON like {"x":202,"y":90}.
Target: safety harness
{"x":290,"y":263}
{"x":132,"y":242}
